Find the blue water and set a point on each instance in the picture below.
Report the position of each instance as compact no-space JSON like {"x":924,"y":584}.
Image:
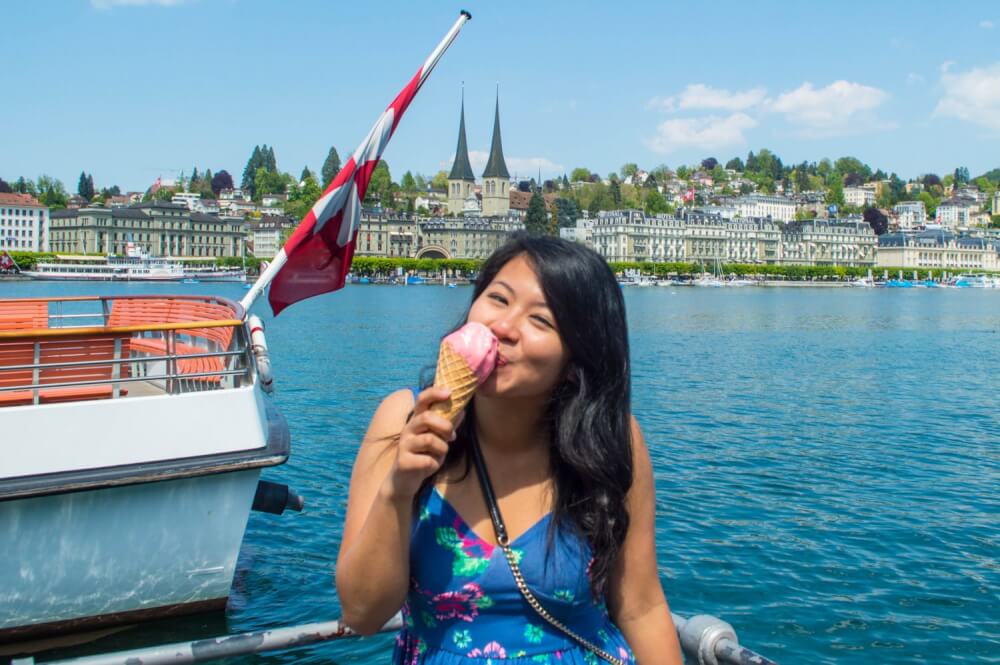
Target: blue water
{"x":827,"y":465}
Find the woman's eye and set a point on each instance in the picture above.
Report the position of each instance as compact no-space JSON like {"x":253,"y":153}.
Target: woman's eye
{"x":499,"y":298}
{"x":542,"y":320}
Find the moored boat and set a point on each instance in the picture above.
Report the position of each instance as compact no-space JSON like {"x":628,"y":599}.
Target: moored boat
{"x":145,"y":428}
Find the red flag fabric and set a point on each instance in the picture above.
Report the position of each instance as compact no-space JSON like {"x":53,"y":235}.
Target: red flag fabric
{"x":320,"y":249}
{"x":6,"y":262}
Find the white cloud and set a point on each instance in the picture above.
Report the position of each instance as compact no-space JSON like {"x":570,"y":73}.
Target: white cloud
{"x":661,"y":104}
{"x":704,"y":97}
{"x":973,"y":96}
{"x":986,"y":25}
{"x":108,"y":4}
{"x":709,"y":132}
{"x":699,"y":96}
{"x":525,"y":167}
{"x":840,"y":108}
{"x":946,"y":65}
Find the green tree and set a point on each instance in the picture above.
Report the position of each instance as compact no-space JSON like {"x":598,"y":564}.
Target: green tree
{"x":580,"y":174}
{"x":629,"y":169}
{"x":440,"y":181}
{"x":50,"y":192}
{"x":961,"y":176}
{"x":5,"y":187}
{"x":835,"y":194}
{"x":536,"y":221}
{"x":380,"y":186}
{"x":568,"y":211}
{"x":616,"y":192}
{"x":306,"y":174}
{"x":303,"y":197}
{"x":930,"y":203}
{"x":408,"y":183}
{"x":655,"y":203}
{"x":267,"y":182}
{"x":846,"y":165}
{"x":553,"y":226}
{"x":331,"y":166}
{"x":85,"y":187}
{"x":250,"y":170}
{"x":735,"y":164}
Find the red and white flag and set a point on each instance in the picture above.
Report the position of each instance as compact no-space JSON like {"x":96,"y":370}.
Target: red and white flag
{"x":317,"y":256}
{"x":689,"y":195}
{"x":6,"y":262}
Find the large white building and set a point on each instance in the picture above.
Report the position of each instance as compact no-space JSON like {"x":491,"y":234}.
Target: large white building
{"x":996,"y":202}
{"x":24,"y":223}
{"x":266,"y":234}
{"x":955,"y":213}
{"x":938,"y":249}
{"x":910,"y":214}
{"x":778,"y":208}
{"x":631,"y":236}
{"x":859,"y":197}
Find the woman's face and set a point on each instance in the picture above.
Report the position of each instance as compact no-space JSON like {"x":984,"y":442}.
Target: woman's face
{"x":531,"y":355}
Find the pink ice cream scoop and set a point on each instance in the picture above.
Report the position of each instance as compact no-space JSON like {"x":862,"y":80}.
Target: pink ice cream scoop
{"x":467,"y":358}
{"x":478,"y":347}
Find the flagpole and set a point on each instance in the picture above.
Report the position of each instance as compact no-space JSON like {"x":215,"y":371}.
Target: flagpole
{"x":279,"y":260}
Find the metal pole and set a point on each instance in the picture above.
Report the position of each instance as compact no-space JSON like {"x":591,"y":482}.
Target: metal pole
{"x":272,"y":269}
{"x":704,"y":639}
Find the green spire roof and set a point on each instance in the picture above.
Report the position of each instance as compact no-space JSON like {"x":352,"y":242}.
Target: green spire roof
{"x":496,"y":167}
{"x":462,"y":169}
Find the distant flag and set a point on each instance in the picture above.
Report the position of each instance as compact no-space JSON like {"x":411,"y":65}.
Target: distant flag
{"x":317,"y":256}
{"x":7,"y":262}
{"x":689,"y":196}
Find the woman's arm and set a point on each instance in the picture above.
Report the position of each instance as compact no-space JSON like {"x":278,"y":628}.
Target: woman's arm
{"x":395,"y":457}
{"x":635,"y":597}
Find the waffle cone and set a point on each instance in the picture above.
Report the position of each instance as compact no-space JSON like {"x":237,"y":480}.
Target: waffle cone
{"x":455,"y":374}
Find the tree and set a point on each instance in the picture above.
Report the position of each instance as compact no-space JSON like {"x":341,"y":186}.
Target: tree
{"x":536,"y":222}
{"x":931,"y":179}
{"x":331,"y":166}
{"x":569,"y":212}
{"x":961,"y":176}
{"x":301,"y":199}
{"x":655,"y":203}
{"x":580,"y":174}
{"x":846,"y":165}
{"x":709,"y":163}
{"x":628,"y":170}
{"x":878,"y":221}
{"x":440,"y":181}
{"x":107,"y":192}
{"x":553,"y":225}
{"x":267,"y":182}
{"x":735,"y":164}
{"x":250,"y":170}
{"x":4,"y":187}
{"x":616,"y":192}
{"x":380,"y":186}
{"x":420,"y":182}
{"x":683,"y":172}
{"x":930,"y":203}
{"x":835,"y":194}
{"x":85,"y":188}
{"x":50,"y":192}
{"x":220,"y":181}
{"x":408,"y":183}
{"x":853,"y":180}
{"x":195,"y":179}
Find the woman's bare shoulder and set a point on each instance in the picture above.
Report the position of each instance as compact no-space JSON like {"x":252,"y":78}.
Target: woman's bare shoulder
{"x":391,"y":415}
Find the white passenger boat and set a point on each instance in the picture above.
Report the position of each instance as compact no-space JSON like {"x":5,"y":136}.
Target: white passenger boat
{"x":137,"y":428}
{"x":135,"y":265}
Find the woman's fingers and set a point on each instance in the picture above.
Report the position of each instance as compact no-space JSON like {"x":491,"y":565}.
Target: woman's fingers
{"x":431,"y":421}
{"x":429,"y":397}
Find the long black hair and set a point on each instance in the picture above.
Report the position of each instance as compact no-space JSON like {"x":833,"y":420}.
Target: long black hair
{"x":588,"y":414}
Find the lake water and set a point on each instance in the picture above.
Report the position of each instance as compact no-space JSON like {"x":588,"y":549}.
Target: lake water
{"x":827,"y":461}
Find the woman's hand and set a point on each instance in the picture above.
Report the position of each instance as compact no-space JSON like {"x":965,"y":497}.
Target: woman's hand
{"x":423,"y":444}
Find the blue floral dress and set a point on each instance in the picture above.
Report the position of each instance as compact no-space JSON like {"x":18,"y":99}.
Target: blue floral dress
{"x":463,"y":607}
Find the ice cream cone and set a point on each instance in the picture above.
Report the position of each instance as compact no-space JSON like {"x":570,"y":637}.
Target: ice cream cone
{"x":454,"y":373}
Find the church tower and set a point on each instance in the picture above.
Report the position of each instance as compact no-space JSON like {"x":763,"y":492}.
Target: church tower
{"x":461,"y":180}
{"x":496,"y":179}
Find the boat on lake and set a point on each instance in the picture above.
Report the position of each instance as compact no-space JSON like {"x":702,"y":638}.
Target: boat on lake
{"x":137,"y":429}
{"x":134,"y":265}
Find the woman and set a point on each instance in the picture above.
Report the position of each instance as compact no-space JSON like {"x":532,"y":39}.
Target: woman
{"x":570,"y":472}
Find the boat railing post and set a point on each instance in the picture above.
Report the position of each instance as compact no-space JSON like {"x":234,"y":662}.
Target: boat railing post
{"x":36,"y":370}
{"x":116,"y":369}
{"x":171,"y":347}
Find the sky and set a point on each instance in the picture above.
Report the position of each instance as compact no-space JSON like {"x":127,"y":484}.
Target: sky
{"x":132,"y":90}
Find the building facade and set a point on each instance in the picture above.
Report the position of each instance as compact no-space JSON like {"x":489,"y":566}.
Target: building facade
{"x":157,"y":227}
{"x":910,"y":214}
{"x":938,"y":249}
{"x":859,"y":197}
{"x":496,"y":178}
{"x":778,"y":208}
{"x":631,"y":236}
{"x":24,"y":223}
{"x":265,"y":236}
{"x":402,"y":235}
{"x":955,"y":213}
{"x":461,"y":179}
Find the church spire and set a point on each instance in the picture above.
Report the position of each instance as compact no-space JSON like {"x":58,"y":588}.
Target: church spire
{"x":496,"y":167}
{"x":462,"y":169}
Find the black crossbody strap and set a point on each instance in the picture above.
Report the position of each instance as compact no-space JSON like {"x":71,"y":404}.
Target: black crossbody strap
{"x":500,"y":529}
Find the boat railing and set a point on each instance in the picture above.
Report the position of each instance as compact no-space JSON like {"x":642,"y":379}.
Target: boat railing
{"x":74,"y":349}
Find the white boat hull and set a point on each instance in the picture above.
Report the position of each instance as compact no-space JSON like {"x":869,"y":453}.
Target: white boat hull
{"x":108,"y":555}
